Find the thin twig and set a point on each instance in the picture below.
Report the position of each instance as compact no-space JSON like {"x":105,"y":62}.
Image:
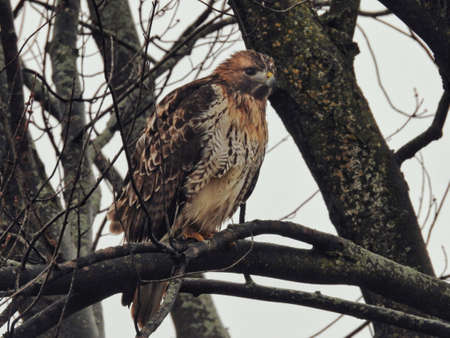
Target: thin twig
{"x":437,"y":214}
{"x":358,"y":329}
{"x":444,"y":252}
{"x":378,"y":74}
{"x":330,"y":324}
{"x":306,"y":201}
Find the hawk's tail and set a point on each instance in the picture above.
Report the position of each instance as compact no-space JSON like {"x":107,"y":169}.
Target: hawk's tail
{"x":146,"y":301}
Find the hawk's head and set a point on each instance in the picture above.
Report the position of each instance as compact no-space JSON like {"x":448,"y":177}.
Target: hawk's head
{"x":249,"y":72}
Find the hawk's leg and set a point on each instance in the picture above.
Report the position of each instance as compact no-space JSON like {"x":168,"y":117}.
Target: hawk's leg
{"x":248,"y":278}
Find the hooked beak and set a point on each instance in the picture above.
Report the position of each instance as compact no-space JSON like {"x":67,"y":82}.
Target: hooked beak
{"x":270,"y":79}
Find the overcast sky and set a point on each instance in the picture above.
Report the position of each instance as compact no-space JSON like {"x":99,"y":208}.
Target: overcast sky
{"x":285,"y":182}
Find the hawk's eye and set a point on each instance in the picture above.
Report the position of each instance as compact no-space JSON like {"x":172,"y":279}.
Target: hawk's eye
{"x":250,"y":71}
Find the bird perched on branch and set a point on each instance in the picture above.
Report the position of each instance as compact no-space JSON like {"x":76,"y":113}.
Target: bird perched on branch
{"x":196,"y":162}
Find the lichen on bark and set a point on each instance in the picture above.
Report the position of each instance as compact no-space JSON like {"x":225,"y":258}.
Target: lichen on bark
{"x":328,"y":117}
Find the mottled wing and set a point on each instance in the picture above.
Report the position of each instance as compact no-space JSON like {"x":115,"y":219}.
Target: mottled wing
{"x":166,"y":153}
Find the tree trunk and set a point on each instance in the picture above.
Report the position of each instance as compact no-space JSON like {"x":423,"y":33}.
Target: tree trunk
{"x":324,"y":110}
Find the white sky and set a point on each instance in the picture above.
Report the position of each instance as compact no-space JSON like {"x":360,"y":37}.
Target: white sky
{"x":285,"y":182}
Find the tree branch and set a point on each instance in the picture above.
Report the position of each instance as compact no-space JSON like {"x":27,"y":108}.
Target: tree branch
{"x":37,"y":85}
{"x":319,"y":301}
{"x":343,"y":15}
{"x":111,"y":174}
{"x":12,"y":64}
{"x":45,"y":319}
{"x":333,"y":261}
{"x":429,"y":20}
{"x":192,"y":315}
{"x":374,"y":14}
{"x":75,"y":158}
{"x":330,"y":121}
{"x":434,"y":132}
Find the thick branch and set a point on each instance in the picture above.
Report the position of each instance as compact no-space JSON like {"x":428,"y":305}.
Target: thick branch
{"x":12,"y":64}
{"x":375,"y":14}
{"x":75,"y":159}
{"x":329,"y":119}
{"x":429,"y":20}
{"x":111,"y":174}
{"x":192,"y":315}
{"x":261,"y":259}
{"x":41,"y":94}
{"x":45,"y":319}
{"x":334,"y":261}
{"x":343,"y":13}
{"x":319,"y":301}
{"x":434,"y":132}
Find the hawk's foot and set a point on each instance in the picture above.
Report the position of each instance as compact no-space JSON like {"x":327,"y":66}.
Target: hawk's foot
{"x":195,"y":235}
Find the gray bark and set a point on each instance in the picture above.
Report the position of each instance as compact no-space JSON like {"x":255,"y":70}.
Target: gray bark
{"x":328,"y":117}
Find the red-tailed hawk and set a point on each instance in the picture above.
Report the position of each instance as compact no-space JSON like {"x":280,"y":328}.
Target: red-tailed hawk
{"x":197,"y":160}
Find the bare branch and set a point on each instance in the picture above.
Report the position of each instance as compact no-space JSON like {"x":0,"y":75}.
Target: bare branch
{"x":330,"y":324}
{"x":41,"y":92}
{"x":319,"y":301}
{"x":111,"y":174}
{"x":12,"y":64}
{"x":434,"y":132}
{"x":342,"y":16}
{"x":436,"y":215}
{"x":378,"y":75}
{"x":334,"y":260}
{"x":375,"y":14}
{"x":358,"y":329}
{"x":426,"y":20}
{"x":185,"y":47}
{"x":192,"y":315}
{"x":294,"y":212}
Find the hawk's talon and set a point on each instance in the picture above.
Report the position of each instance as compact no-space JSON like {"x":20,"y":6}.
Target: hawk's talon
{"x":231,"y":245}
{"x":195,"y":235}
